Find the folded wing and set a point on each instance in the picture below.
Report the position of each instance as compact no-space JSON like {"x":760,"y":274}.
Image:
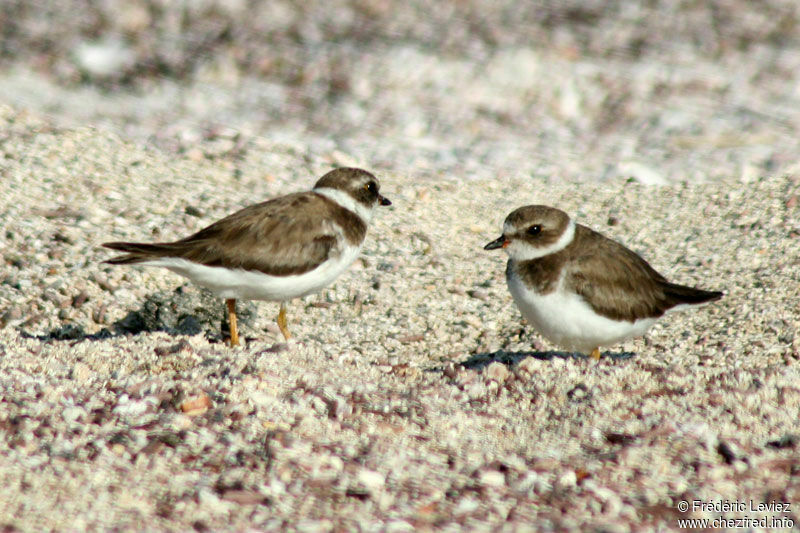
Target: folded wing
{"x":627,"y":288}
{"x":281,"y":237}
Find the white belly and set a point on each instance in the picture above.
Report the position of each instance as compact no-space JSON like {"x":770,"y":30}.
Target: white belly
{"x":249,"y":285}
{"x":567,"y":320}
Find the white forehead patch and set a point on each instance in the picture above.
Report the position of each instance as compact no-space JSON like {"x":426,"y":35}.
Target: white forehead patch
{"x":345,"y":200}
{"x":520,"y":250}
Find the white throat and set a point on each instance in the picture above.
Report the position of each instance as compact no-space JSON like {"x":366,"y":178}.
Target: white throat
{"x":346,"y":201}
{"x":522,"y":251}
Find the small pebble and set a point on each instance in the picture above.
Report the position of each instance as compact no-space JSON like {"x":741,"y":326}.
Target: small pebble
{"x":196,"y":405}
{"x":478,"y":294}
{"x":80,"y":299}
{"x":497,"y":372}
{"x":492,"y":478}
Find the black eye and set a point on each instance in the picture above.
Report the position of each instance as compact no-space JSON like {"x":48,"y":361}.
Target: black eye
{"x":536,"y":229}
{"x":371,"y":187}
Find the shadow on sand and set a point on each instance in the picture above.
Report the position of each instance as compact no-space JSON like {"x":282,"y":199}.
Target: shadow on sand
{"x":184,"y":311}
{"x":478,"y":361}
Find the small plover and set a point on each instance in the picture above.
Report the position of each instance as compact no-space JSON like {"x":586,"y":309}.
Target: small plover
{"x":579,"y":289}
{"x":277,"y":250}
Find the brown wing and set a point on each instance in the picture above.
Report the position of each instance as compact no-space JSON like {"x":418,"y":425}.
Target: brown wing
{"x":627,"y":288}
{"x":288,"y":235}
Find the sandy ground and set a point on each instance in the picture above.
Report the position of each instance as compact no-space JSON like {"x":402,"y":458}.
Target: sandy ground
{"x":412,"y":397}
{"x":577,"y":89}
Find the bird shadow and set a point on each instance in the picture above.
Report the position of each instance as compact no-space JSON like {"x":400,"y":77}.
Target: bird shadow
{"x":179,"y":312}
{"x":478,"y":361}
{"x":130,"y":324}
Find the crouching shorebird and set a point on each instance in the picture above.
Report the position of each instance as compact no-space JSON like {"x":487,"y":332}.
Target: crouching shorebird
{"x":277,"y":250}
{"x":579,"y":289}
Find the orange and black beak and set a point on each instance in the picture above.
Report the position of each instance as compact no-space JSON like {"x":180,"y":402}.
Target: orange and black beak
{"x":383,"y":200}
{"x":500,"y":242}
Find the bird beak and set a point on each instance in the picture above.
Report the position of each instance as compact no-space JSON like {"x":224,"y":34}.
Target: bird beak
{"x":500,"y":242}
{"x":383,"y":200}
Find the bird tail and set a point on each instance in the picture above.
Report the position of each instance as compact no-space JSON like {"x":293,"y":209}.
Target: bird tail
{"x":137,"y":252}
{"x":681,"y":294}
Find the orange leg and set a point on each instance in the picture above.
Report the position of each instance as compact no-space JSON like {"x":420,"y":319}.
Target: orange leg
{"x":282,"y":322}
{"x":232,"y":320}
{"x":595,"y":354}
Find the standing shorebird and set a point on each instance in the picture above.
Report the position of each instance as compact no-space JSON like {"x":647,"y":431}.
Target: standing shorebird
{"x":582,"y":290}
{"x":277,"y":250}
